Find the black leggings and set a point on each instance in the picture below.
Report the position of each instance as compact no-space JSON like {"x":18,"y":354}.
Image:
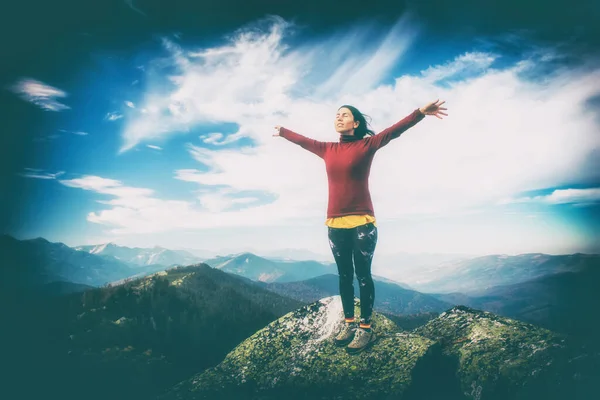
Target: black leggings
{"x":359,"y":242}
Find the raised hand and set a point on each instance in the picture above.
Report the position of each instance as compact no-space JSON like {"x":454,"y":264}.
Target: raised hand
{"x":277,"y":128}
{"x":434,"y":109}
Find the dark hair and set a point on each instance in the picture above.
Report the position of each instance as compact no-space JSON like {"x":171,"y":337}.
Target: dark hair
{"x":362,"y":129}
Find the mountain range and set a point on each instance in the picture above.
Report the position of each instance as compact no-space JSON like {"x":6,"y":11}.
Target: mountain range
{"x":476,"y":275}
{"x":156,"y":325}
{"x":142,"y":256}
{"x":34,"y":262}
{"x":261,"y":269}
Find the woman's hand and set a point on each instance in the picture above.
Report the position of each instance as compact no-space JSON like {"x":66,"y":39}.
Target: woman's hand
{"x":277,"y":128}
{"x":433,"y":109}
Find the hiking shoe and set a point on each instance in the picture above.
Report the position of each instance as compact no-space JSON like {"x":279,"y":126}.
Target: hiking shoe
{"x":346,"y":334}
{"x":362,"y":340}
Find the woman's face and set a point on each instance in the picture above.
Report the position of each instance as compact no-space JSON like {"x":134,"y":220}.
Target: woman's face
{"x":344,"y":122}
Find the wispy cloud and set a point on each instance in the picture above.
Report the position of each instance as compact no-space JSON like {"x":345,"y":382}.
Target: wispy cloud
{"x":113,"y":116}
{"x":255,"y":75}
{"x":134,"y":8}
{"x":130,"y":104}
{"x":359,"y":58}
{"x":80,"y":133}
{"x":561,"y":196}
{"x":154,"y":147}
{"x":47,"y":138}
{"x":106,"y":186}
{"x":40,"y":174}
{"x":135,"y":210}
{"x":217,"y":138}
{"x":40,"y":94}
{"x":460,"y":67}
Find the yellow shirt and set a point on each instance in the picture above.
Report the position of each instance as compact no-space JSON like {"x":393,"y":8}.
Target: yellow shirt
{"x":349,"y":221}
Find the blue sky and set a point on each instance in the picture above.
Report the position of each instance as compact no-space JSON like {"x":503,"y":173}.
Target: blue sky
{"x":153,"y":126}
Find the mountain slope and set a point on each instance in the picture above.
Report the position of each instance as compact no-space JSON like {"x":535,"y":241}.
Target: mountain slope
{"x":564,"y":302}
{"x":136,"y":339}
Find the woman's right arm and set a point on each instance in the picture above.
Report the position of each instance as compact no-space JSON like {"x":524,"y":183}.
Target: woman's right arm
{"x":312,"y":145}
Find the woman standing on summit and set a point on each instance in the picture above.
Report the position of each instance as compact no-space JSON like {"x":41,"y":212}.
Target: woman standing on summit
{"x":351,"y":222}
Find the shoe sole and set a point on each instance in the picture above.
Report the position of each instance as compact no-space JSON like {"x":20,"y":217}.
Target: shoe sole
{"x":351,"y":350}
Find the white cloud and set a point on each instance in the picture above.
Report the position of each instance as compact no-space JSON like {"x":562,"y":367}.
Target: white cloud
{"x":154,"y":147}
{"x":135,"y":210}
{"x":40,"y":94}
{"x":130,"y":104}
{"x":217,"y":138}
{"x":469,"y":63}
{"x":113,"y":116}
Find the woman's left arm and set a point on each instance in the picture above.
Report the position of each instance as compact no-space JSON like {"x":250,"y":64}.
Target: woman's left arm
{"x":384,"y":137}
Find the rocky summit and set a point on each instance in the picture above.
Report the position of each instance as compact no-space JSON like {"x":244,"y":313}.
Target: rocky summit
{"x":503,"y":358}
{"x":462,"y":354}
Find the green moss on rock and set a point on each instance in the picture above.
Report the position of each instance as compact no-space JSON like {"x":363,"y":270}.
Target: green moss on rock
{"x":462,"y":354}
{"x":295,"y":357}
{"x":502,"y":358}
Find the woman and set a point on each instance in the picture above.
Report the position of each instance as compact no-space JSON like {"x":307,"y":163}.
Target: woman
{"x":352,"y":229}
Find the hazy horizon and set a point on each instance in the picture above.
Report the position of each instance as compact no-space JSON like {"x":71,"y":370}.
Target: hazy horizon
{"x":227,"y":251}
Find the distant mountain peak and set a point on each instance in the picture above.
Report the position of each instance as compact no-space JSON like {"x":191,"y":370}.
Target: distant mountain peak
{"x":245,"y":254}
{"x":37,"y":239}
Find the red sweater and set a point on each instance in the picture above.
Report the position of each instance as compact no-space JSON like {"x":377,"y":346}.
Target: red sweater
{"x":348,"y":165}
